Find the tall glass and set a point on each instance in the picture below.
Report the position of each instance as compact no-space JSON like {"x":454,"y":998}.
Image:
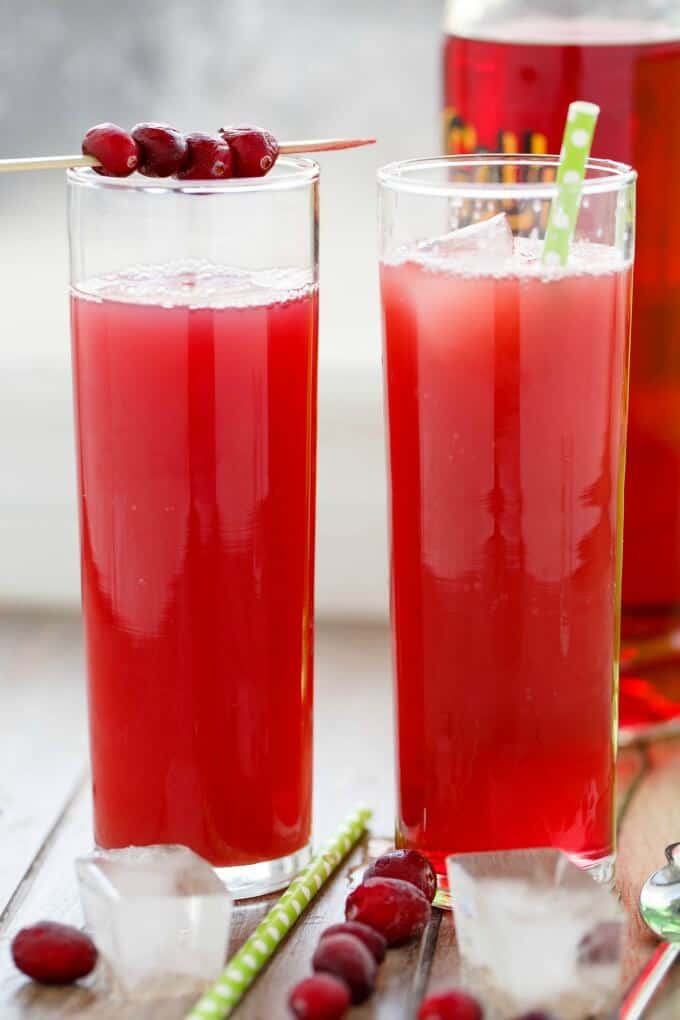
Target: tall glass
{"x":194,"y":321}
{"x":511,"y":67}
{"x":506,"y":390}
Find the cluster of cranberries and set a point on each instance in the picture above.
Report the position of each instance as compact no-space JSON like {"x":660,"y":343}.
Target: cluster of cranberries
{"x":389,"y":907}
{"x":158,"y":150}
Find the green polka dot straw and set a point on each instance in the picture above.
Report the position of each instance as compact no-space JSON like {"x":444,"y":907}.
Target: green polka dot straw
{"x":243,"y":968}
{"x":578,"y":138}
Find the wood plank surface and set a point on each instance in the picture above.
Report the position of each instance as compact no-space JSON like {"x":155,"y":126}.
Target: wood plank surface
{"x":45,"y":822}
{"x":43,"y":745}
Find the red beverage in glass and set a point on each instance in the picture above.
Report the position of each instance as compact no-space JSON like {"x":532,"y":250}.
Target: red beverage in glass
{"x":195,"y":401}
{"x":507,"y":88}
{"x":506,"y":415}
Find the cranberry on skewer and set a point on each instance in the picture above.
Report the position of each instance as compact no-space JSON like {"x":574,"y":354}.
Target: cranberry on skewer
{"x":207,"y":158}
{"x":115,"y":149}
{"x":162,"y":149}
{"x":254,"y":150}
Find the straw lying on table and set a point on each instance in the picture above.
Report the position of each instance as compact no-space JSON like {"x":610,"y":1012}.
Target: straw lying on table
{"x":576,"y":144}
{"x":244,"y":967}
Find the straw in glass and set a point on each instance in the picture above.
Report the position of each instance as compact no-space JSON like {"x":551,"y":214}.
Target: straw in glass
{"x":578,"y":139}
{"x":243,"y":968}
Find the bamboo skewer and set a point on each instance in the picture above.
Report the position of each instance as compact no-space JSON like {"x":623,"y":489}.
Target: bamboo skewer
{"x":46,"y":163}
{"x":285,"y":148}
{"x":323,"y":145}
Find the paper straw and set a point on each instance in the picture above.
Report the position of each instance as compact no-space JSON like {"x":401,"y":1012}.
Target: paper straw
{"x":578,"y":138}
{"x":243,"y":968}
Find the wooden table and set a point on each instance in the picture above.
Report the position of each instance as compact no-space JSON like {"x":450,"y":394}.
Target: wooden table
{"x":45,"y":823}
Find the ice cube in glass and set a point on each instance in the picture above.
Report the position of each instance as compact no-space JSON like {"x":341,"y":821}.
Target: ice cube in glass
{"x":476,"y":245}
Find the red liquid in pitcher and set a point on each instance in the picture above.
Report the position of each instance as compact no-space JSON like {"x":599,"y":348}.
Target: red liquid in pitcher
{"x":509,"y":91}
{"x":506,"y":415}
{"x":196,"y":456}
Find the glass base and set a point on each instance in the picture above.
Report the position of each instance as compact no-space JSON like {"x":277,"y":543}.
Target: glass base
{"x":249,"y":880}
{"x":601,"y":869}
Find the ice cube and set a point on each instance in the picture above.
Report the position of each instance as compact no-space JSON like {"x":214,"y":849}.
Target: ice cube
{"x":479,"y":245}
{"x":535,"y":932}
{"x":159,"y":916}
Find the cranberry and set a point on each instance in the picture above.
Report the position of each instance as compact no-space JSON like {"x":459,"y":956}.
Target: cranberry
{"x":115,"y":149}
{"x":602,"y":944}
{"x":254,"y":150}
{"x":396,"y":909}
{"x":162,"y":150}
{"x":207,"y":158}
{"x":537,"y":1014}
{"x":322,"y":997}
{"x":371,"y":938}
{"x":348,"y":959}
{"x":54,"y":954}
{"x":409,"y":866}
{"x":451,"y":1005}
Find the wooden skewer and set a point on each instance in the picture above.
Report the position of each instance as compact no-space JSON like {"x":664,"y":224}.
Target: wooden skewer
{"x":65,"y":162}
{"x":324,"y":145}
{"x":46,"y":163}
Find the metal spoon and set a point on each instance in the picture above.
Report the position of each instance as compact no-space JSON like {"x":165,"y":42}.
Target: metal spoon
{"x":659,"y":906}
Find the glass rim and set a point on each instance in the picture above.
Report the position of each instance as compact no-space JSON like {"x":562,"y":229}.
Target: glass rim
{"x":403,"y":176}
{"x":299,"y":171}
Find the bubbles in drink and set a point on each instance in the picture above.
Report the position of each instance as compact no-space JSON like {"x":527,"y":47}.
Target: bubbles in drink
{"x":489,"y":249}
{"x":200,"y":284}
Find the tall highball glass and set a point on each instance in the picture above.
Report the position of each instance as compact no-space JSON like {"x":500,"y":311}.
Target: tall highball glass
{"x":506,"y":391}
{"x":194,"y":321}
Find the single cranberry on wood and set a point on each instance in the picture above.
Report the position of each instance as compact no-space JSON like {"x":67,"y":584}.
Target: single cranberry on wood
{"x":396,"y":909}
{"x":115,"y":149}
{"x":409,"y":866}
{"x":54,"y":954}
{"x":450,"y":1005}
{"x":537,"y":1014}
{"x":348,"y":959}
{"x":162,"y":149}
{"x":371,"y":938}
{"x":321,"y":997}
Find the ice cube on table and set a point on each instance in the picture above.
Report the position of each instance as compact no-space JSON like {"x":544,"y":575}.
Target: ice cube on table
{"x":159,"y":916}
{"x":534,"y":932}
{"x":480,"y":245}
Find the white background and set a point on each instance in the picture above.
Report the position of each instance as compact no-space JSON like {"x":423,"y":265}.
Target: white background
{"x":303,"y":69}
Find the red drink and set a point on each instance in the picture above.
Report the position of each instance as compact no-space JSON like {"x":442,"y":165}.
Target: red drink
{"x":506,"y":409}
{"x":196,"y":402}
{"x":507,"y":89}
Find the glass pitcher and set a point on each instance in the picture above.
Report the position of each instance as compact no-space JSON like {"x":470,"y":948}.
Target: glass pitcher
{"x":511,"y":67}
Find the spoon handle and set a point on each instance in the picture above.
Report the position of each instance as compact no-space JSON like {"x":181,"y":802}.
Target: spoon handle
{"x":639,"y":995}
